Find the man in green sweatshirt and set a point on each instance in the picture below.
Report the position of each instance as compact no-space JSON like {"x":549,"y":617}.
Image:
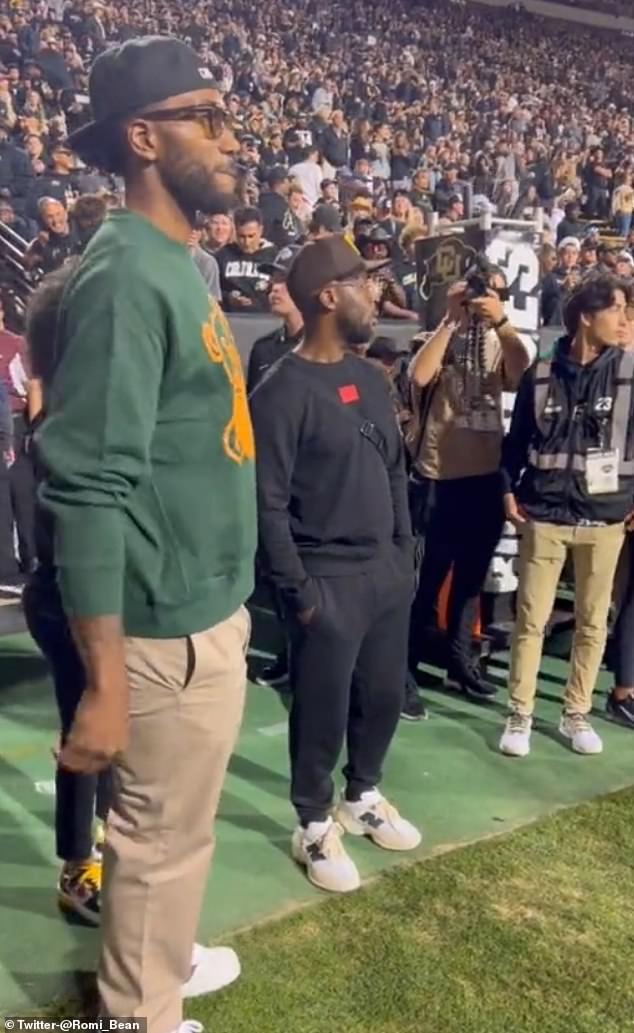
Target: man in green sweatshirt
{"x":147,"y":450}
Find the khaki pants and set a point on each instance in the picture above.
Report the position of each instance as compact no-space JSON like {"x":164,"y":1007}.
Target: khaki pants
{"x":186,"y":703}
{"x":543,"y":549}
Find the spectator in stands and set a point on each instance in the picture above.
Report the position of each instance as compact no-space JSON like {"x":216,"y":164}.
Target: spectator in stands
{"x":15,"y":172}
{"x":623,"y":205}
{"x":55,"y":242}
{"x":570,"y":491}
{"x":269,"y":349}
{"x":205,"y":263}
{"x":309,"y":175}
{"x":57,"y":183}
{"x":280,"y":224}
{"x":88,"y":213}
{"x":324,"y":222}
{"x":244,"y":285}
{"x":570,"y":225}
{"x":220,"y":231}
{"x":597,"y":175}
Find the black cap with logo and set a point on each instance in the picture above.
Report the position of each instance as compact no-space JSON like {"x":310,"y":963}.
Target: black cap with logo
{"x":134,"y":75}
{"x":320,"y":262}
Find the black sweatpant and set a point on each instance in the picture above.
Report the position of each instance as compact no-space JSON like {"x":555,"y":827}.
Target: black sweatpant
{"x":347,"y":672}
{"x":78,"y":797}
{"x":17,"y":504}
{"x":460,"y":522}
{"x":624,"y":628}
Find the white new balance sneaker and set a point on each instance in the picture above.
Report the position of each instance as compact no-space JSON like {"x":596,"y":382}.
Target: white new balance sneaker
{"x":319,"y":848}
{"x":516,"y":737}
{"x":373,"y":816}
{"x":212,"y":968}
{"x":581,"y":734}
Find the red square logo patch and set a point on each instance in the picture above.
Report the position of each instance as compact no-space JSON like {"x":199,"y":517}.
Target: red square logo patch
{"x":349,"y":393}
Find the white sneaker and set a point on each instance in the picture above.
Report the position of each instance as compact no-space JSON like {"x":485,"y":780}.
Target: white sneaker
{"x":212,"y":968}
{"x":373,"y":816}
{"x":516,"y":737}
{"x":318,"y":847}
{"x":582,"y":735}
{"x":190,"y":1026}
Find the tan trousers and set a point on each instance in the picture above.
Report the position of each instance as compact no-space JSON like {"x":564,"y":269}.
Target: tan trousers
{"x":543,"y":549}
{"x":186,"y":703}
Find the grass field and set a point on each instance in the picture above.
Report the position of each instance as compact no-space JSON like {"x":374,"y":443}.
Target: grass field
{"x":530,"y":933}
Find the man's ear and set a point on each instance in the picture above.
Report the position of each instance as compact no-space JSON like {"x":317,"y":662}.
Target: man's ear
{"x":143,"y":140}
{"x":327,"y":298}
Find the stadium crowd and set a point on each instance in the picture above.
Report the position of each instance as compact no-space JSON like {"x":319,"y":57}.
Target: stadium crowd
{"x":356,"y":129}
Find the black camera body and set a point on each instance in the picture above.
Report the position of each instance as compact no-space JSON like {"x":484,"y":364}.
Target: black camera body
{"x":478,"y":277}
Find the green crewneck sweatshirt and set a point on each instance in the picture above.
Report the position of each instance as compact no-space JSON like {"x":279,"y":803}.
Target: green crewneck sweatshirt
{"x":147,"y":446}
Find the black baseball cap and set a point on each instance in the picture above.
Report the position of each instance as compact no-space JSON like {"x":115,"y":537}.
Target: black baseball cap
{"x":134,"y":75}
{"x":278,"y":174}
{"x":320,"y":262}
{"x":283,"y":261}
{"x":325,"y":217}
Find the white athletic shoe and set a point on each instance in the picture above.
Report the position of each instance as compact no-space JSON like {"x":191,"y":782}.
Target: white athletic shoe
{"x":212,"y":968}
{"x":582,"y":735}
{"x":516,"y":737}
{"x":190,"y":1026}
{"x":319,"y":848}
{"x":375,"y":817}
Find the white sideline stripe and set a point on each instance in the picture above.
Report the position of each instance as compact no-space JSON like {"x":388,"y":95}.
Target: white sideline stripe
{"x":45,"y":788}
{"x":272,"y":730}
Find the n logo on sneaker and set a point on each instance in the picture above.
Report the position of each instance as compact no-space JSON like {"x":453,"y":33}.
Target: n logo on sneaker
{"x":314,"y":852}
{"x":371,"y":819}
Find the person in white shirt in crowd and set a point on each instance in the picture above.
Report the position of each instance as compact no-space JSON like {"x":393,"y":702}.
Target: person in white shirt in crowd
{"x":309,"y":175}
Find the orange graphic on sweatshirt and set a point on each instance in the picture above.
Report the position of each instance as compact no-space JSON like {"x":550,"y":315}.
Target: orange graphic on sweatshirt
{"x":237,"y":439}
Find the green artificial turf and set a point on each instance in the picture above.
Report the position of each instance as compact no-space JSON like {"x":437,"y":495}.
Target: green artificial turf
{"x":529,"y":933}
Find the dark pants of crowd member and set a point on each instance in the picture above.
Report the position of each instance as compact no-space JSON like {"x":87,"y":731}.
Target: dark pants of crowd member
{"x":17,"y":504}
{"x":78,"y":797}
{"x":598,"y":206}
{"x":460,"y":522}
{"x":347,"y":671}
{"x":623,"y":637}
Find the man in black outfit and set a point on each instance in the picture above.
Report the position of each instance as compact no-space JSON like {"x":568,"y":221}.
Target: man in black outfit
{"x":336,"y":540}
{"x":267,"y":350}
{"x":281,"y":226}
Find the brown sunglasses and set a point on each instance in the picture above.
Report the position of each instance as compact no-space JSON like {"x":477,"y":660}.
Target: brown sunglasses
{"x":213,"y":118}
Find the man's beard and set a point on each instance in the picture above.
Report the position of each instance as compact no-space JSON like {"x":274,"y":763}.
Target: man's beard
{"x":193,"y":186}
{"x":354,"y":331}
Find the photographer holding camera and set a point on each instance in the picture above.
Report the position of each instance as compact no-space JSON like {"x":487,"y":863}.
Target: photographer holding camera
{"x":455,"y":441}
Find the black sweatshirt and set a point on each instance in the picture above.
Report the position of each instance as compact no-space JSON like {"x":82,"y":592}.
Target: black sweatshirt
{"x":329,"y":503}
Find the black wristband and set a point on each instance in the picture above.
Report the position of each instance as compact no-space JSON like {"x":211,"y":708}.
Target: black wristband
{"x":500,"y":323}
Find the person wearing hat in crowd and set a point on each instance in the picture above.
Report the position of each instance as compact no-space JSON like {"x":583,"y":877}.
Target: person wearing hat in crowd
{"x":324,"y":222}
{"x":559,"y":284}
{"x":624,"y":265}
{"x":329,"y":191}
{"x":281,"y":226}
{"x":606,"y":257}
{"x":571,"y":225}
{"x":137,"y":445}
{"x":336,"y":542}
{"x":58,"y":182}
{"x":267,"y":350}
{"x":588,"y":255}
{"x":390,"y":296}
